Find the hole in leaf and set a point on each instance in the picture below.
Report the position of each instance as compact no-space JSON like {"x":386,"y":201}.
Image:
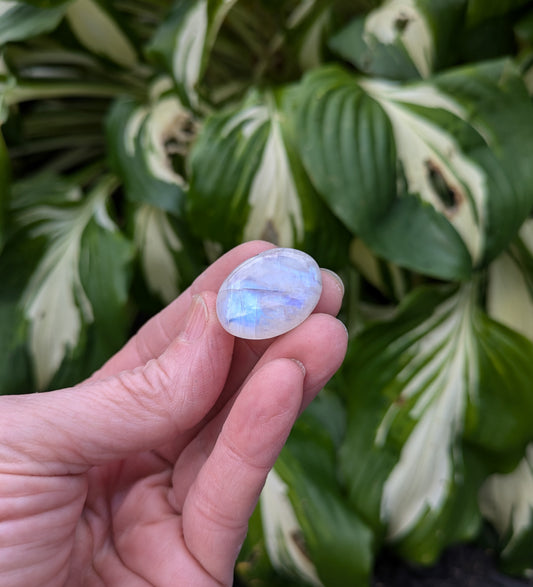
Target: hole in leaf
{"x":299,"y":540}
{"x":401,"y":23}
{"x":446,"y":194}
{"x":177,"y":141}
{"x":270,"y":233}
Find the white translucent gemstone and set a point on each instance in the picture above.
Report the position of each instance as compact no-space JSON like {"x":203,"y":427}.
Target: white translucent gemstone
{"x":269,"y":294}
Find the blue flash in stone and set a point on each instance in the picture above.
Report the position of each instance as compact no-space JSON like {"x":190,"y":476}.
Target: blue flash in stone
{"x":269,"y":294}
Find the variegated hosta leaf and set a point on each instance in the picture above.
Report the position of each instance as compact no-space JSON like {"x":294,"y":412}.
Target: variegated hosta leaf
{"x":157,"y":243}
{"x":250,"y":190}
{"x":307,"y":27}
{"x":283,"y":533}
{"x":507,"y":502}
{"x":95,"y":27}
{"x":184,"y":40}
{"x":430,"y":175}
{"x":20,"y":20}
{"x":510,"y":284}
{"x":402,"y":39}
{"x":148,"y":145}
{"x":80,"y":279}
{"x":168,"y":258}
{"x":310,"y":531}
{"x":247,"y":181}
{"x":438,"y":396}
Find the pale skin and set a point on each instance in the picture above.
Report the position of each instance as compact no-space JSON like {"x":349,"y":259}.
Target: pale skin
{"x":147,"y":473}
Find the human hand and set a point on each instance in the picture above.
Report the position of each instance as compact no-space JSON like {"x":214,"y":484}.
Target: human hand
{"x":147,"y":473}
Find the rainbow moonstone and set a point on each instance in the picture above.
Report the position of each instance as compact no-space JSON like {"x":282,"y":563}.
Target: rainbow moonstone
{"x":269,"y":294}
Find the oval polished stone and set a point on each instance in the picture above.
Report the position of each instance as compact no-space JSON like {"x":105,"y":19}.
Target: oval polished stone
{"x":269,"y":294}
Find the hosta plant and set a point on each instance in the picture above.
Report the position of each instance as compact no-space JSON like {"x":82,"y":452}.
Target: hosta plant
{"x":391,"y":140}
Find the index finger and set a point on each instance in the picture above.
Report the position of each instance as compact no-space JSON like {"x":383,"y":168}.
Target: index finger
{"x":155,"y":336}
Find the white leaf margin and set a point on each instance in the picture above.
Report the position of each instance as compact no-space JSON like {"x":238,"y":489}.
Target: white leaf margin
{"x":507,"y":502}
{"x":54,"y":302}
{"x":194,"y":39}
{"x":281,"y":530}
{"x":423,"y":146}
{"x":310,"y":53}
{"x":158,"y":124}
{"x":157,"y":243}
{"x":275,"y":208}
{"x":509,"y":300}
{"x":442,"y":366}
{"x":416,"y":38}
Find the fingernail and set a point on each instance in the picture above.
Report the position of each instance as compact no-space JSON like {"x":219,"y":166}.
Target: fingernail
{"x":300,"y":365}
{"x":345,"y":328}
{"x":196,"y":320}
{"x":340,"y":284}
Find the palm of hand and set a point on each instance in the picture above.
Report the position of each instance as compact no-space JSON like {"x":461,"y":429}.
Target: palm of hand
{"x":97,"y":504}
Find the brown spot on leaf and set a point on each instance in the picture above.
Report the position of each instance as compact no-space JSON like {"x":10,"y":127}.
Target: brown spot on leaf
{"x":400,"y":401}
{"x":401,"y":23}
{"x":177,"y":139}
{"x":450,"y":197}
{"x":179,"y":135}
{"x":298,"y":539}
{"x":270,"y":233}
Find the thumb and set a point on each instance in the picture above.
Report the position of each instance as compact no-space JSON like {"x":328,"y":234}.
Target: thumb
{"x":105,"y":420}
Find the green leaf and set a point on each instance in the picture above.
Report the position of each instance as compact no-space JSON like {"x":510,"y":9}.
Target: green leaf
{"x":267,"y":44}
{"x":438,"y":396}
{"x":402,"y":39}
{"x":247,"y":181}
{"x":97,"y":29}
{"x":52,"y":85}
{"x":308,"y":26}
{"x":486,"y":40}
{"x":15,"y":365}
{"x":79,"y":279}
{"x":283,"y":534}
{"x":346,"y":140}
{"x":20,"y":21}
{"x":429,"y":174}
{"x":498,"y":106}
{"x":253,"y":566}
{"x":184,"y":40}
{"x":16,"y":264}
{"x":480,"y":10}
{"x":310,"y":531}
{"x":4,"y":186}
{"x":506,"y":500}
{"x":105,"y":257}
{"x":147,"y":146}
{"x":347,"y":143}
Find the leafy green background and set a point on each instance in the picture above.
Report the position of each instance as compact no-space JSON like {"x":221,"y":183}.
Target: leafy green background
{"x":391,"y":140}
